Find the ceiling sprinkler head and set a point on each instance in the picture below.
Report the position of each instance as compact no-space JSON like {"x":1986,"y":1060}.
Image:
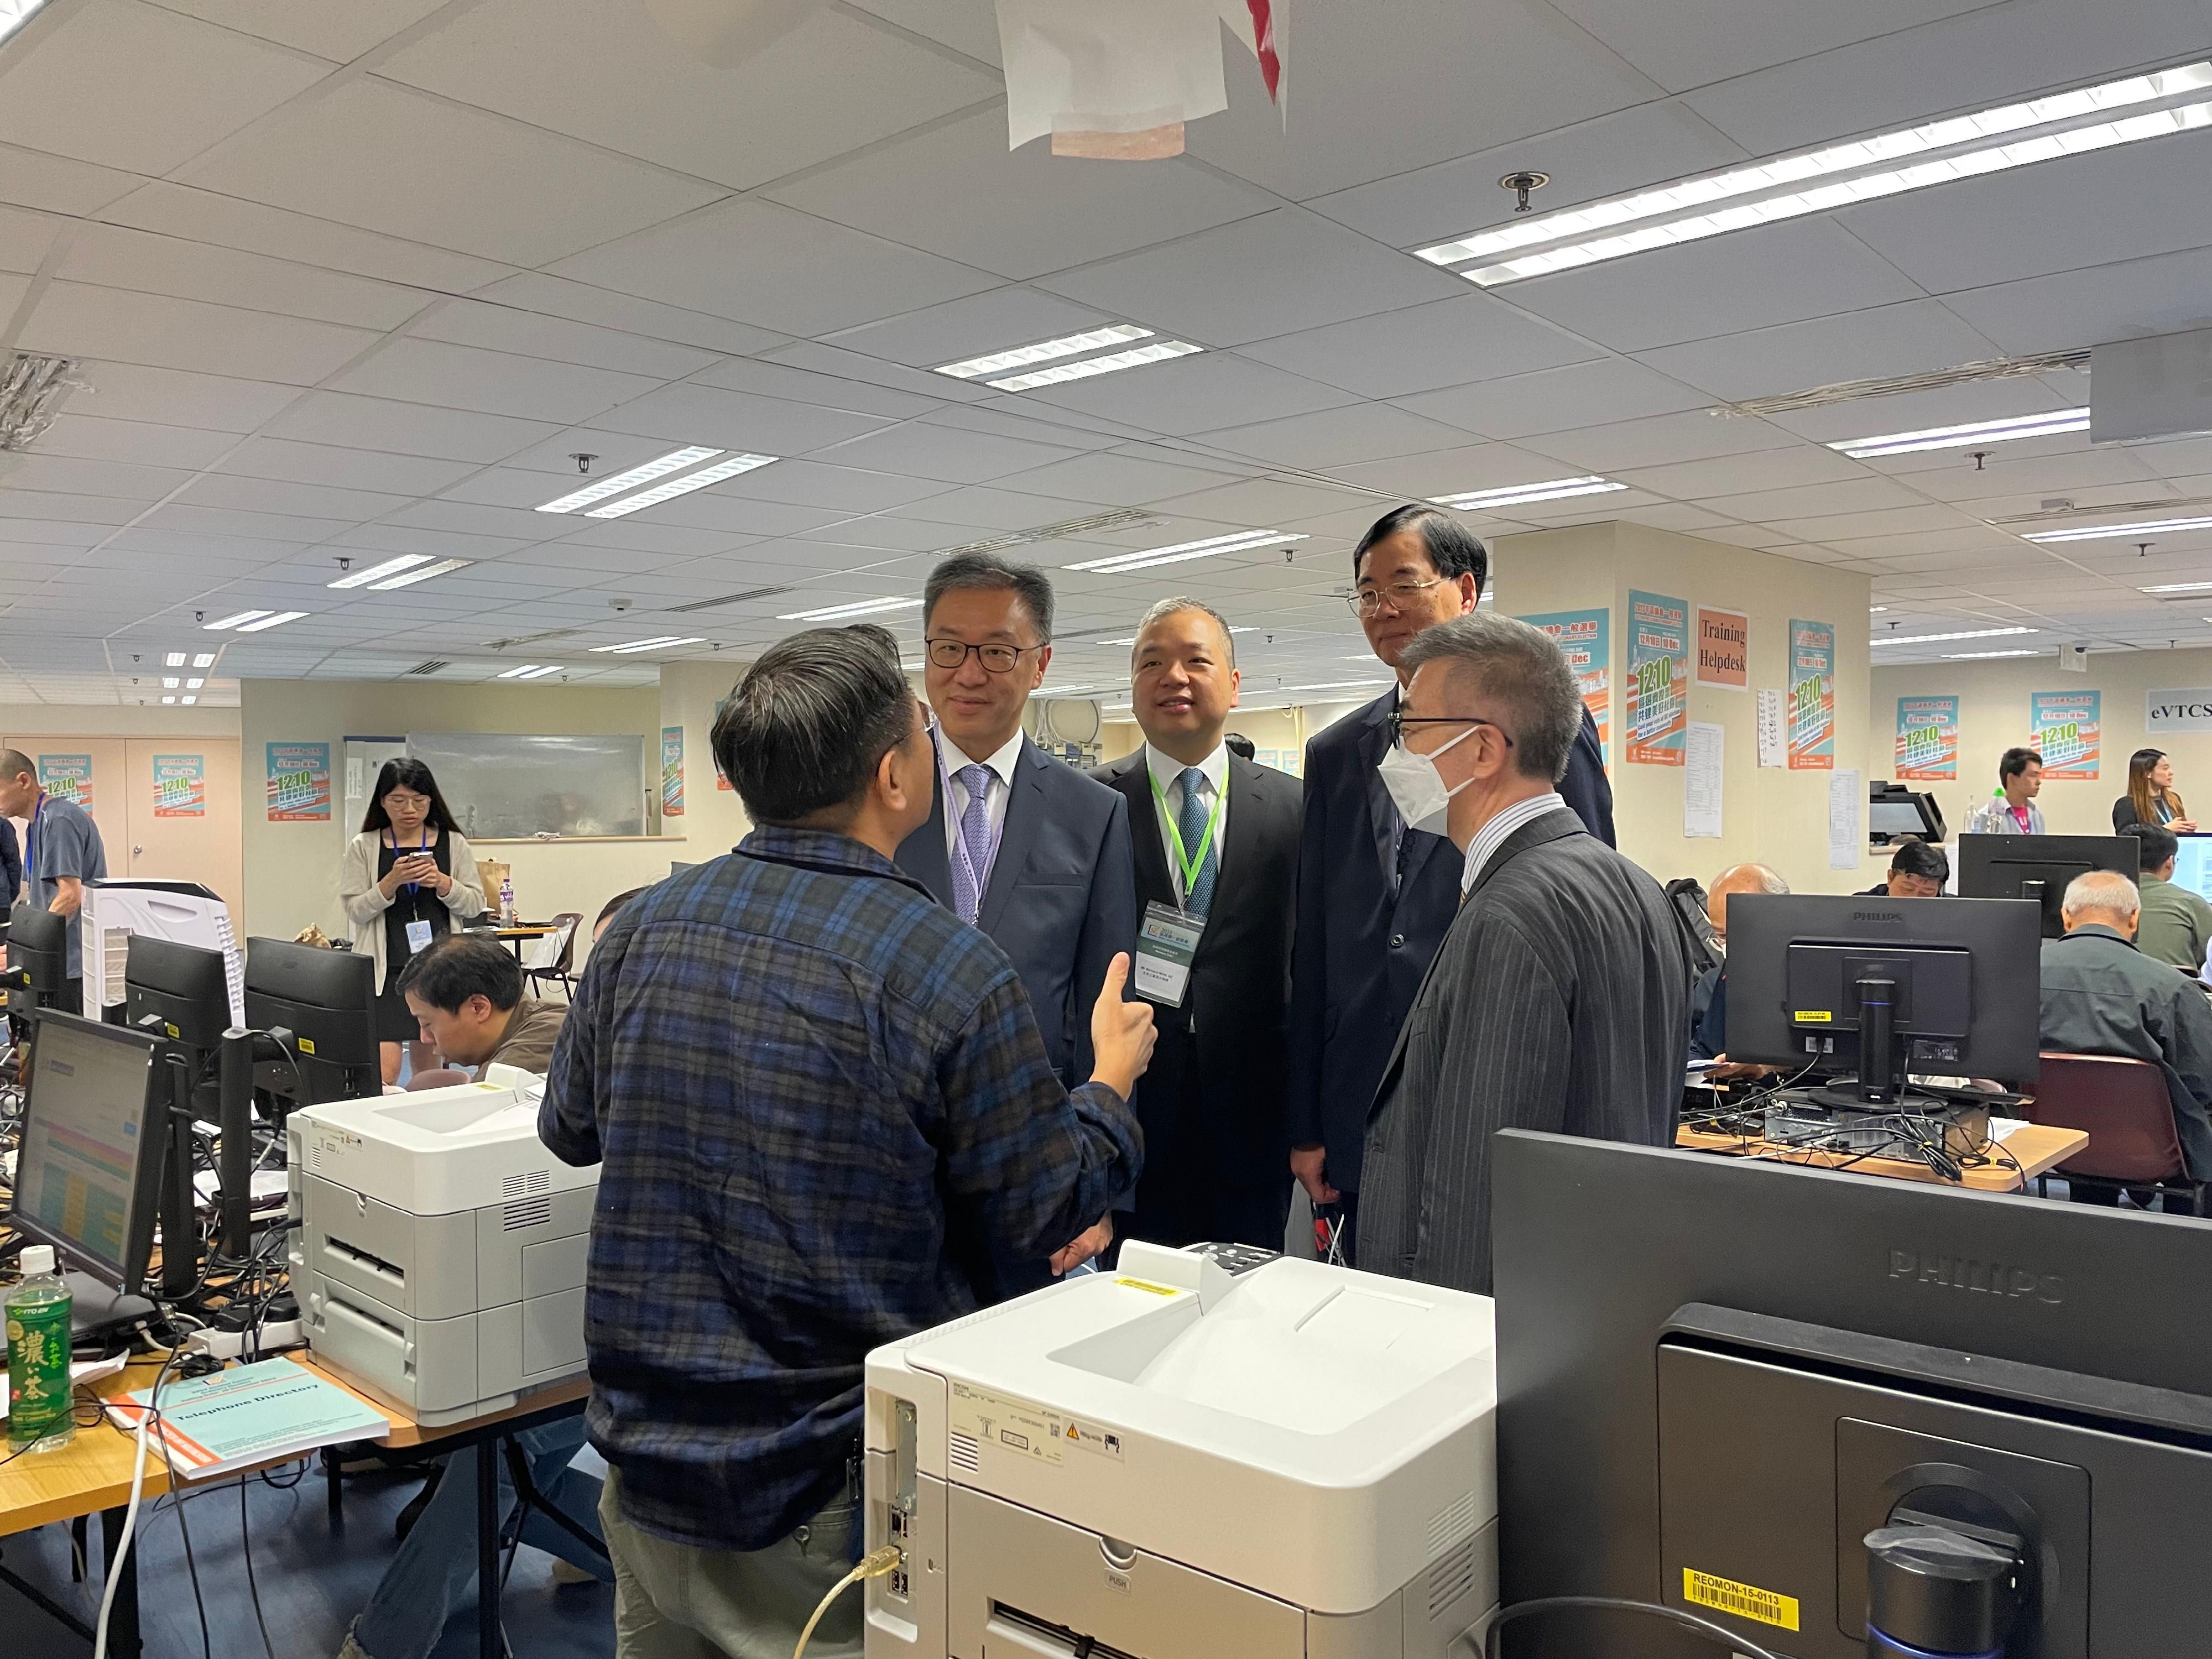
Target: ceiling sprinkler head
{"x":1520,"y":183}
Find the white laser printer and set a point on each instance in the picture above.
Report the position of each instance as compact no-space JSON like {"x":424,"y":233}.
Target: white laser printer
{"x":439,"y":1261}
{"x":1271,"y":1459}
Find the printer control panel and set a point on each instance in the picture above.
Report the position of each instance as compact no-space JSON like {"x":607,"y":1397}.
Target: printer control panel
{"x":1234,"y":1258}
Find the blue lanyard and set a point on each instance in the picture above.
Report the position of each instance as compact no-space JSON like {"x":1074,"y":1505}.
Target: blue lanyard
{"x":414,"y":888}
{"x":31,"y":846}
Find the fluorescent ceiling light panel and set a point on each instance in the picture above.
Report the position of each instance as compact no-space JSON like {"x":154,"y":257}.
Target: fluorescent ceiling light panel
{"x":233,"y":621}
{"x":1044,"y":351}
{"x":276,"y":619}
{"x":863,"y":608}
{"x":168,"y":700}
{"x":1967,"y":634}
{"x":408,"y":578}
{"x":205,"y":659}
{"x":174,"y":659}
{"x":2048,"y":423}
{"x":188,"y":701}
{"x":389,"y":568}
{"x":659,"y":642}
{"x":1241,"y":541}
{"x":1158,"y":352}
{"x":1814,"y":181}
{"x":1984,"y":656}
{"x":2097,"y":533}
{"x":14,"y":13}
{"x":683,"y":486}
{"x":194,"y":683}
{"x":1051,"y":691}
{"x":675,"y":461}
{"x":2178,"y":587}
{"x":169,"y":683}
{"x":532,"y":670}
{"x":1480,"y":500}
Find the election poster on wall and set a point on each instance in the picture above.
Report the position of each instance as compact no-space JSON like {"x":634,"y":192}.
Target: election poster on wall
{"x":1724,"y":648}
{"x":1927,"y":739}
{"x":1657,"y":717}
{"x":672,"y":771}
{"x":1586,"y":637}
{"x":1812,"y":696}
{"x":2067,"y":732}
{"x":179,"y":785}
{"x":67,"y":777}
{"x":299,"y":782}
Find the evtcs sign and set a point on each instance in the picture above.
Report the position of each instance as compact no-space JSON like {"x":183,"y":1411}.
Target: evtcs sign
{"x":2187,"y":708}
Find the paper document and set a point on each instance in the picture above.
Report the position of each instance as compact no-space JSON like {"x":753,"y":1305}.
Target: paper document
{"x":249,"y":1414}
{"x":1773,"y":729}
{"x":1846,"y":841}
{"x":1701,"y":781}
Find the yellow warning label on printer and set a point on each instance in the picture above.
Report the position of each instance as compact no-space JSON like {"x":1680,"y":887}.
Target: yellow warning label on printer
{"x":1744,"y":1601}
{"x":1814,"y":1016}
{"x":1146,"y":1285}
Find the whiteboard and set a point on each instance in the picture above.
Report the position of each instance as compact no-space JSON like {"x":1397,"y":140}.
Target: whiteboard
{"x":510,"y":787}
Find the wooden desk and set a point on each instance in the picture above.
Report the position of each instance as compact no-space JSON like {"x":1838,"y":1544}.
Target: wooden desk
{"x":407,"y":1432}
{"x":2036,"y":1149}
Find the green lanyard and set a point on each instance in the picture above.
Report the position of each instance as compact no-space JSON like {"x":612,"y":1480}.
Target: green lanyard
{"x":1191,"y":863}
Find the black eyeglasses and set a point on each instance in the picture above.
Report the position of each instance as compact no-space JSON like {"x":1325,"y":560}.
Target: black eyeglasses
{"x":995,"y":659}
{"x":1399,"y":720}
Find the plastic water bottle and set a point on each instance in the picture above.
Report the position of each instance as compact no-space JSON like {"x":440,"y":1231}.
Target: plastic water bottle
{"x":37,"y":1313}
{"x":506,"y":901}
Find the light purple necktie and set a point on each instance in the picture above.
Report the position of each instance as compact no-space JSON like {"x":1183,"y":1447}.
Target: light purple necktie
{"x":969,"y":871}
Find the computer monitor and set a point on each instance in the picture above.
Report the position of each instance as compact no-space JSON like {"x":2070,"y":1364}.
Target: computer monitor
{"x":2038,"y":868}
{"x":2192,"y":864}
{"x":180,"y":987}
{"x":37,"y":945}
{"x":326,"y":999}
{"x":1895,"y":811}
{"x":88,"y":1170}
{"x":1873,"y":988}
{"x":1716,"y":1376}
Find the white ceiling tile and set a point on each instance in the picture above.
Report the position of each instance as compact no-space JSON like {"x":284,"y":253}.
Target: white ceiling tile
{"x":1120,"y":480}
{"x":517,"y":526}
{"x":971,"y":27}
{"x":1769,"y":506}
{"x":113,"y":256}
{"x":1722,"y":39}
{"x":168,"y":86}
{"x":2122,"y":300}
{"x":251,"y":526}
{"x":581,"y":302}
{"x":55,"y":183}
{"x":957,"y":190}
{"x":1423,"y":347}
{"x":489,"y":382}
{"x":24,"y":237}
{"x":1673,"y":515}
{"x":707,"y":509}
{"x":339,"y":33}
{"x":1898,"y":339}
{"x":1256,"y":504}
{"x":920,"y":450}
{"x":160,"y":331}
{"x":72,"y":477}
{"x":625,"y":535}
{"x":507,"y":486}
{"x":1840,"y":527}
{"x":1916,"y":412}
{"x":841,"y":490}
{"x":605,"y":73}
{"x":1456,"y":471}
{"x":804,"y":386}
{"x":694,"y":414}
{"x":138,"y":392}
{"x":96,"y":438}
{"x":1277,"y":274}
{"x":970,"y":327}
{"x":1659,"y":441}
{"x":530,"y":334}
{"x":768,"y":265}
{"x":1375,"y":91}
{"x":351,"y":469}
{"x":1001,"y":508}
{"x":1740,"y":474}
{"x":379,"y":156}
{"x":39,"y":504}
{"x":409,"y":429}
{"x":820,"y":359}
{"x":1554,"y":399}
{"x":1191,"y":394}
{"x":2031,"y":477}
{"x":1335,"y":437}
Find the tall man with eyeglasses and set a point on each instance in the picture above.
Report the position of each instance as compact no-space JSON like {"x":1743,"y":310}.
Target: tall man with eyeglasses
{"x":1028,"y":849}
{"x":1375,"y":894}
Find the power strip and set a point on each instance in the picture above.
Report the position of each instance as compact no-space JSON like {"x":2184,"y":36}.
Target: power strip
{"x":229,"y":1344}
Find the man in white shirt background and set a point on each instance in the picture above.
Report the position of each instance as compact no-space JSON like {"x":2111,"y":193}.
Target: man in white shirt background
{"x":1216,"y":865}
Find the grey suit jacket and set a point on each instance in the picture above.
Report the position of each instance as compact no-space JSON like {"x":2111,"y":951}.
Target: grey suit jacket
{"x":1559,"y":1000}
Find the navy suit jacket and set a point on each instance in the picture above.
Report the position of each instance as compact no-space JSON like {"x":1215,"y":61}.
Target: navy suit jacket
{"x":1366,"y":933}
{"x":1062,"y":898}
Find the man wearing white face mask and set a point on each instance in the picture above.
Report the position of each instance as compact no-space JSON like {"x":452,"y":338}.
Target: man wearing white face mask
{"x":1559,"y":999}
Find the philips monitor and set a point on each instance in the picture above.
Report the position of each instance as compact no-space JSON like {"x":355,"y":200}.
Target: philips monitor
{"x":326,"y":999}
{"x":1718,"y":1378}
{"x":182,"y":988}
{"x":87,"y":1174}
{"x":38,"y":946}
{"x":1875,"y":989}
{"x":2038,"y":868}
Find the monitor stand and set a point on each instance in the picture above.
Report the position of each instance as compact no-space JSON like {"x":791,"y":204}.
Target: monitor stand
{"x":100,"y":1311}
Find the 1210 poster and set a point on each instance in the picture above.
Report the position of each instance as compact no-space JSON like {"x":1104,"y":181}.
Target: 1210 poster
{"x":1586,"y":638}
{"x":1658,"y":713}
{"x":1927,"y":739}
{"x":299,"y":783}
{"x":179,"y":785}
{"x":672,"y":771}
{"x":1812,"y":696}
{"x":2069,"y":731}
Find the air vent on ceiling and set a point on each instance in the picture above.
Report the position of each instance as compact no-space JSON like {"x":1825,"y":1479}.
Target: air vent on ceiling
{"x":1120,"y":519}
{"x":732,"y":599}
{"x":1933,"y":379}
{"x":2104,"y":511}
{"x":429,"y":667}
{"x":30,"y":393}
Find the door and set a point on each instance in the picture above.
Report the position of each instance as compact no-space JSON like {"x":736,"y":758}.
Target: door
{"x":180,"y":805}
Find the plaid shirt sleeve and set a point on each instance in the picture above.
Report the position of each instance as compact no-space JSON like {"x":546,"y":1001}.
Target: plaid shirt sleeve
{"x":568,"y":1117}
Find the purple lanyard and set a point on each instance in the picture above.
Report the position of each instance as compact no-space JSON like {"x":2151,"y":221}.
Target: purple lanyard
{"x":979,"y":878}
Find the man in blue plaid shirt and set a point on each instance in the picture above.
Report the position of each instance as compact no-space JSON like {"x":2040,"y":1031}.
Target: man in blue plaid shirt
{"x":820,"y":1101}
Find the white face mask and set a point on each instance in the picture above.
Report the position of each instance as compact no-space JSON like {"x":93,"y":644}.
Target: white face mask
{"x":1416,"y":787}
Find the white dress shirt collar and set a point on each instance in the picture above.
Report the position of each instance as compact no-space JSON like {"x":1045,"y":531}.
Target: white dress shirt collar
{"x":1001,"y":760}
{"x":1494,"y":834}
{"x":1166,"y":769}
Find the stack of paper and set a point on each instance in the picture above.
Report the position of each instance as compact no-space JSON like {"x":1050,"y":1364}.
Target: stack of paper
{"x":248,"y":1415}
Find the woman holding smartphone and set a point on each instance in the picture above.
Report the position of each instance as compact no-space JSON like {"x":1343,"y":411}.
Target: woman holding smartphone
{"x":404,"y":880}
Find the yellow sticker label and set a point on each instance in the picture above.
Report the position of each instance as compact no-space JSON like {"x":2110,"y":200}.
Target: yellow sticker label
{"x":306,"y":1045}
{"x":1144,"y":1284}
{"x":1744,"y":1601}
{"x":174,"y":1033}
{"x":1813,"y":1017}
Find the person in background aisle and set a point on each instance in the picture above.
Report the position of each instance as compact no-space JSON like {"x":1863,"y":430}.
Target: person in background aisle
{"x":1216,"y":848}
{"x":2151,"y":797}
{"x":1560,"y":998}
{"x":2103,"y":996}
{"x":1237,"y":744}
{"x":11,"y":864}
{"x":823,"y":1107}
{"x":404,"y":880}
{"x":2176,"y":925}
{"x":1916,"y":870}
{"x":62,"y":851}
{"x":1018,"y":844}
{"x":2014,"y":810}
{"x":1709,"y":996}
{"x":1376,"y":894}
{"x":436,"y":1565}
{"x":465,"y":993}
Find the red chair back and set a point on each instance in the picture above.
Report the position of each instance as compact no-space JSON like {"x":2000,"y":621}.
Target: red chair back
{"x":2124,"y":1106}
{"x":441,"y":1077}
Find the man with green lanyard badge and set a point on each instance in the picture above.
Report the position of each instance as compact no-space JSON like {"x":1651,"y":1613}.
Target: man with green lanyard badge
{"x":1216,"y":844}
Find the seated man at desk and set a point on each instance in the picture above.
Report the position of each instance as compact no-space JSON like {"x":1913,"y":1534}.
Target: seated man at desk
{"x":2103,"y":996}
{"x":466,"y":992}
{"x":1916,"y":870}
{"x":1709,"y":997}
{"x":2177,"y":924}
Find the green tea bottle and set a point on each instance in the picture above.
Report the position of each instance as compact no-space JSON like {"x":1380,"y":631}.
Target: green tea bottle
{"x":37,"y":1313}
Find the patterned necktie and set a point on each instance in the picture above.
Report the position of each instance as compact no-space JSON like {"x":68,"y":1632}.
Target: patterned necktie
{"x":975,"y":840}
{"x":1190,"y":824}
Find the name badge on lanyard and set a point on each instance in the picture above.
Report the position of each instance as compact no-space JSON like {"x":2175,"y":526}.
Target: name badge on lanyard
{"x":1167,"y":943}
{"x":418,"y":938}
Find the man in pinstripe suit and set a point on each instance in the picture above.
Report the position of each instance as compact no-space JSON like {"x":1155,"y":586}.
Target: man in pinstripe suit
{"x":1559,"y":999}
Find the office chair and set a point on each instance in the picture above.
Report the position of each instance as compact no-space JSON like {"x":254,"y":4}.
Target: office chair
{"x":2124,"y":1106}
{"x":554,"y":956}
